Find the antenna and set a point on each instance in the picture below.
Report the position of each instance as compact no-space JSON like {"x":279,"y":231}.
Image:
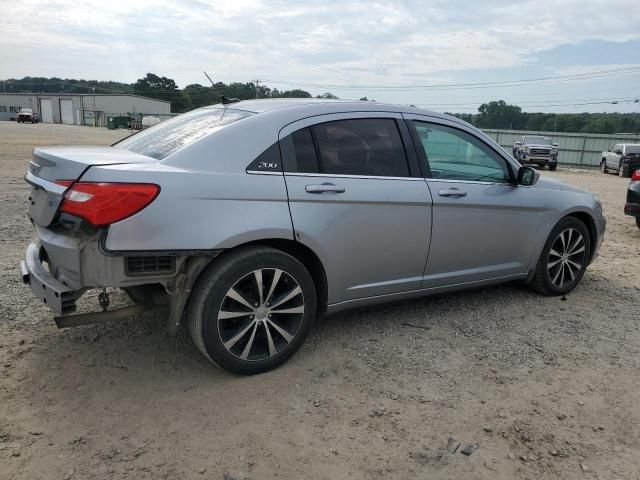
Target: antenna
{"x":206,"y":75}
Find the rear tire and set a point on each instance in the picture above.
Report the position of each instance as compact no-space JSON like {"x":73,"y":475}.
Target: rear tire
{"x":564,"y":258}
{"x":623,"y":171}
{"x":252,"y":310}
{"x":552,"y":168}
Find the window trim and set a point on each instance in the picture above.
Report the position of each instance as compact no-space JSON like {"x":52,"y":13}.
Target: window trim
{"x":407,"y":148}
{"x":420,"y":147}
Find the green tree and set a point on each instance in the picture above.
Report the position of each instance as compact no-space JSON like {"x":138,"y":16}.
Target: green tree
{"x":327,"y":95}
{"x":162,"y":88}
{"x":500,"y":115}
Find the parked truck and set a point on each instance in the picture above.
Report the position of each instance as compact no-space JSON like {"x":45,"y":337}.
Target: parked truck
{"x":537,"y":150}
{"x":623,"y":158}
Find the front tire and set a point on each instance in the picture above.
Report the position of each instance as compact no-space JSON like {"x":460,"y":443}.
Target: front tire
{"x":553,"y":167}
{"x":603,"y":167}
{"x":252,"y":310}
{"x":564,"y":258}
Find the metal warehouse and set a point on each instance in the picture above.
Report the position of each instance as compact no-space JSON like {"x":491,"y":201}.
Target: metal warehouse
{"x":81,"y":109}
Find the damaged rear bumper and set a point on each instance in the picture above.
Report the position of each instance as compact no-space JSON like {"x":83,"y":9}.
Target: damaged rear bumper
{"x":53,"y":293}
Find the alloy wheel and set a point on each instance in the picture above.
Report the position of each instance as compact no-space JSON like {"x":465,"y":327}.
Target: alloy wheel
{"x":261,"y":314}
{"x":566,"y":257}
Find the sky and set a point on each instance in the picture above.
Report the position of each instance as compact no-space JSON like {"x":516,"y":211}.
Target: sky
{"x":398,"y":52}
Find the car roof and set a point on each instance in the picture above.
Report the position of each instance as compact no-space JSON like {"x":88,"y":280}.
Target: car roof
{"x":323,"y":105}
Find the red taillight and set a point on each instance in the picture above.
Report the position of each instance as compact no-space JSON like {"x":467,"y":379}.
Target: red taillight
{"x":636,"y":175}
{"x":106,"y":203}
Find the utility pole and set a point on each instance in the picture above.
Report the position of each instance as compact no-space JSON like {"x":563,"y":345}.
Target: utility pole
{"x":257,"y":82}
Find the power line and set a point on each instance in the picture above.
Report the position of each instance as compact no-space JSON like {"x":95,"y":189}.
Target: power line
{"x":506,"y":83}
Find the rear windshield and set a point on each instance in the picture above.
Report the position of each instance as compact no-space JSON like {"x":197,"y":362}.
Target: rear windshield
{"x":169,"y":136}
{"x":632,"y":149}
{"x":537,"y":140}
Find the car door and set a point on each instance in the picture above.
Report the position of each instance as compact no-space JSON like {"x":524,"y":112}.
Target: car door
{"x":357,"y":202}
{"x":484,"y":225}
{"x":613,"y":157}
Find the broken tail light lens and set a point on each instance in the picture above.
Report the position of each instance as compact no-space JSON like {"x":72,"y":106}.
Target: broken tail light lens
{"x":102,"y":203}
{"x":636,"y":176}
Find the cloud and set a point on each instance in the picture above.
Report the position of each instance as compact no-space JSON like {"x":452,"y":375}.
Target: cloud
{"x":329,"y":42}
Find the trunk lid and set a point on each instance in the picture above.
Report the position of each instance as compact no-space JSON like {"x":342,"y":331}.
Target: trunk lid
{"x":53,"y":164}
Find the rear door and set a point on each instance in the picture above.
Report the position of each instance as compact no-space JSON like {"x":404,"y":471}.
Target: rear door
{"x":357,"y":200}
{"x":483,"y":224}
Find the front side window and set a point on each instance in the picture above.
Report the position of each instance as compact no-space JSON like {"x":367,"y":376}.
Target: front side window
{"x":167,"y":137}
{"x":456,"y":155}
{"x":363,"y":147}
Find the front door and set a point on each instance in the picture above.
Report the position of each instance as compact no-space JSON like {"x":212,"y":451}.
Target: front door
{"x":483,"y":223}
{"x":355,"y":202}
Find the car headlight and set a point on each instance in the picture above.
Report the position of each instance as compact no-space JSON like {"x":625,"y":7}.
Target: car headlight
{"x":526,"y":149}
{"x":554,"y":151}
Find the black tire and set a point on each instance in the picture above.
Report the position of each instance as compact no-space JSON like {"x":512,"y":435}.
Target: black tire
{"x":623,"y":171}
{"x":638,"y":222}
{"x":547,"y":267}
{"x":234,"y":272}
{"x":603,"y":166}
{"x":552,"y":168}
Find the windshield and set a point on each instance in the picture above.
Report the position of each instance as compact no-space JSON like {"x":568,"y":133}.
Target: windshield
{"x":167,"y":137}
{"x":537,"y":140}
{"x":26,"y":110}
{"x":632,"y":149}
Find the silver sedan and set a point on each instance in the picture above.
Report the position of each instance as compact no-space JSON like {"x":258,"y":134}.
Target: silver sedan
{"x":245,"y":222}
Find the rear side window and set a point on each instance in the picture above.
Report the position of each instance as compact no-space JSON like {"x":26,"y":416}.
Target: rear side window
{"x":299,"y":152}
{"x":367,"y":147}
{"x":167,"y":137}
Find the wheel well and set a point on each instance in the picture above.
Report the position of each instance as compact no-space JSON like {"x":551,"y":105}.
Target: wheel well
{"x":588,"y":221}
{"x":308,"y":258}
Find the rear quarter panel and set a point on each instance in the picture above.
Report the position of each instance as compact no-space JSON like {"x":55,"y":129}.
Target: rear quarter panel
{"x":198,"y":209}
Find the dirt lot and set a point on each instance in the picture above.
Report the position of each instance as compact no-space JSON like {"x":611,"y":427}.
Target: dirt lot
{"x":548,"y":388}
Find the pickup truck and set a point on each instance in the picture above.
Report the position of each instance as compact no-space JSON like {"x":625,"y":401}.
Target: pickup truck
{"x":537,"y":150}
{"x":623,"y":158}
{"x":27,"y":115}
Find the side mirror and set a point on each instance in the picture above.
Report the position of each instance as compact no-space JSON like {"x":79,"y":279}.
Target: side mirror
{"x":518,"y":143}
{"x":527,"y":176}
{"x":555,"y":145}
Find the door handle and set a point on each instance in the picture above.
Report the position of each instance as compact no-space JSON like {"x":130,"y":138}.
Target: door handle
{"x":452,"y":192}
{"x":324,"y":188}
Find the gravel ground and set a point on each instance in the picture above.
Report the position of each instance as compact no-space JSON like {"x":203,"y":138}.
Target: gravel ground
{"x":547,"y":388}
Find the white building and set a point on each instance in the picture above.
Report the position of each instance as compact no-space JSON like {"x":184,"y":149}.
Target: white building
{"x":80,"y":109}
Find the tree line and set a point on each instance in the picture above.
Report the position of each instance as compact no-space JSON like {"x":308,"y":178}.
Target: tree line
{"x":499,"y":114}
{"x":494,"y":114}
{"x":192,"y":96}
